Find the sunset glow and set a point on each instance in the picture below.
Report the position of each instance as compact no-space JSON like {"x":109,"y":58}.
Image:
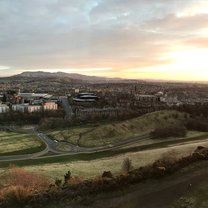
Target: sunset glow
{"x":129,"y":39}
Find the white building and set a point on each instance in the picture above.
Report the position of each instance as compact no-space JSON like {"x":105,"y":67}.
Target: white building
{"x":4,"y":108}
{"x":31,"y":97}
{"x":34,"y":108}
{"x":20,"y":107}
{"x":26,"y":108}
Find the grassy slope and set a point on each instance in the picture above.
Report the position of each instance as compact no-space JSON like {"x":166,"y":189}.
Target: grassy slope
{"x":115,"y":132}
{"x":13,"y":143}
{"x":90,"y":165}
{"x":119,"y":131}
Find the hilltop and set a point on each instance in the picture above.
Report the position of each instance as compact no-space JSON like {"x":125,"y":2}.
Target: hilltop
{"x":74,"y":76}
{"x":118,"y":131}
{"x":67,"y":77}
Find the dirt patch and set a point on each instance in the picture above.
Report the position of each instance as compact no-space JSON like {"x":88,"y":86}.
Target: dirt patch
{"x":155,"y":193}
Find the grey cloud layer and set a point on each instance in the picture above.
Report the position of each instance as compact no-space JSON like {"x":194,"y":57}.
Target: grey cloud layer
{"x":92,"y":33}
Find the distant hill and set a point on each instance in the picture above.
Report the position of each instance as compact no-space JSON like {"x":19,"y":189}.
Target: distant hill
{"x":73,"y":76}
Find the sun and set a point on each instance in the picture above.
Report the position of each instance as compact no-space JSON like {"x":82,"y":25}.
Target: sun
{"x":190,"y":64}
{"x":192,"y":59}
{"x":184,"y":65}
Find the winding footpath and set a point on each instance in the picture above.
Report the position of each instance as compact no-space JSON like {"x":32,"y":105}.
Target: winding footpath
{"x":53,"y":146}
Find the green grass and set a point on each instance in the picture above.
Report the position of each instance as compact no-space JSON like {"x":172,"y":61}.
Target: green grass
{"x":71,"y":135}
{"x":190,"y":136}
{"x":196,"y":198}
{"x":90,"y":165}
{"x":16,"y":143}
{"x":105,"y":134}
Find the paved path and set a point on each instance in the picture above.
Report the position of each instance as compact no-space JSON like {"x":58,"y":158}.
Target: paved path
{"x":53,"y":146}
{"x":67,"y":107}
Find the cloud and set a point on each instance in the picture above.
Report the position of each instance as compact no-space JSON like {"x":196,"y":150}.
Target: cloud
{"x":94,"y":34}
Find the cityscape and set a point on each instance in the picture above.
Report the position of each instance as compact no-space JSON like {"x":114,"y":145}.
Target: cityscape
{"x":103,"y":104}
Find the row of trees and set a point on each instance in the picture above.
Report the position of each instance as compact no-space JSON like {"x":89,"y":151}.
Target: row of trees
{"x":29,"y":118}
{"x":174,"y":130}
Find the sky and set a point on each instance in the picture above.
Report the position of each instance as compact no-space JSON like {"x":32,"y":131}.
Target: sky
{"x":139,"y":39}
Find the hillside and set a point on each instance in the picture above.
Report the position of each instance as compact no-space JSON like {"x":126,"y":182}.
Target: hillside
{"x":164,"y":181}
{"x":116,"y":132}
{"x":134,"y":127}
{"x":73,"y":76}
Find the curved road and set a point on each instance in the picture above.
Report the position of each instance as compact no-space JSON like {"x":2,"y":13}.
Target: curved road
{"x":53,"y":146}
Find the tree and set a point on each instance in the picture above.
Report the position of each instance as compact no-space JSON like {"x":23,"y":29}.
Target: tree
{"x":126,"y":165}
{"x":67,"y":177}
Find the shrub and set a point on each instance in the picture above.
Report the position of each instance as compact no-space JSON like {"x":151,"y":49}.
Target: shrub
{"x":58,"y":182}
{"x":197,"y":125}
{"x":168,"y":162}
{"x":126,"y":165}
{"x":169,"y":131}
{"x":21,"y":178}
{"x":15,"y":195}
{"x":107,"y":174}
{"x":67,"y":177}
{"x":184,"y":202}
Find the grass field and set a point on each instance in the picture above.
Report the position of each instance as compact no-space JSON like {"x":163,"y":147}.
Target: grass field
{"x":13,"y":143}
{"x":105,"y":134}
{"x":197,"y":197}
{"x":90,"y":165}
{"x":190,"y":136}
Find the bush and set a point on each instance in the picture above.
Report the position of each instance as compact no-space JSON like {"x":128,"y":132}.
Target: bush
{"x":197,"y":125}
{"x":126,"y":165}
{"x":184,"y":203}
{"x":107,"y":174}
{"x":169,"y":131}
{"x":15,"y":195}
{"x":58,"y":182}
{"x":67,"y":177}
{"x":18,"y":177}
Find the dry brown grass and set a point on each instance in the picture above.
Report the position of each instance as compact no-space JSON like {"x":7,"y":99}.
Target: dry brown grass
{"x":15,"y":194}
{"x":20,"y":177}
{"x":19,"y":184}
{"x":76,"y":180}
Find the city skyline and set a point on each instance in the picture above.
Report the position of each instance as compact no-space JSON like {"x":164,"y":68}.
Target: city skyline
{"x":135,"y":39}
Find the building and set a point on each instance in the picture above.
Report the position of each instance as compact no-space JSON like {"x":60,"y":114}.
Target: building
{"x":97,"y":112}
{"x":50,"y":106}
{"x":147,"y":98}
{"x":34,"y":108}
{"x":4,"y":108}
{"x":20,"y":107}
{"x":23,"y":108}
{"x":85,"y":97}
{"x":31,"y":97}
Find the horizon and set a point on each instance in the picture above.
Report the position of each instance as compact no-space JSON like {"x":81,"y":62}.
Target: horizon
{"x":130,"y":40}
{"x":105,"y":77}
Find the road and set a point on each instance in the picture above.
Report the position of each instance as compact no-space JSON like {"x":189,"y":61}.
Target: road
{"x":67,"y":107}
{"x":53,"y":146}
